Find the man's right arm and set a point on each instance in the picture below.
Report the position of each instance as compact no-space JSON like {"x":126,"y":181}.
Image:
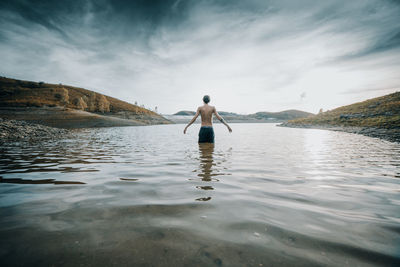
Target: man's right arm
{"x":193,"y":120}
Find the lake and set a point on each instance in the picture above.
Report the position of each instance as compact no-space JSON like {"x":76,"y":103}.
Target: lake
{"x":151,"y":196}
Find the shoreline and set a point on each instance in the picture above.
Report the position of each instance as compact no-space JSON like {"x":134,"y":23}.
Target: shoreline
{"x":61,"y":117}
{"x":391,"y":134}
{"x":21,"y":130}
{"x":17,"y":130}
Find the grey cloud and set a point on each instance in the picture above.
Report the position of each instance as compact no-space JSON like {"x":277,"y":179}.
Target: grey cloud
{"x":49,"y":14}
{"x":372,"y":89}
{"x":166,"y":47}
{"x":384,"y":44}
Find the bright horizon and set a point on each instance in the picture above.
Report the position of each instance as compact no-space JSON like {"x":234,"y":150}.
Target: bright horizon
{"x":248,"y":56}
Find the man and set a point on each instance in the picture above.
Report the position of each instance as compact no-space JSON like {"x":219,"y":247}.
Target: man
{"x":206,"y":134}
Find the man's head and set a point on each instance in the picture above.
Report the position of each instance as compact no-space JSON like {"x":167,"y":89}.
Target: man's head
{"x":206,"y":99}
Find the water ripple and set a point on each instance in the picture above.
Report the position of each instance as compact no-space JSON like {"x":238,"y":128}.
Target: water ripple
{"x":263,"y":195}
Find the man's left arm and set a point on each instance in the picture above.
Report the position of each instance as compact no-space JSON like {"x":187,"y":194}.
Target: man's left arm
{"x":222,"y":120}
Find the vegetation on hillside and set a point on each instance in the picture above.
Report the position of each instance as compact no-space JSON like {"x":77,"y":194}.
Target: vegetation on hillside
{"x":380,"y":112}
{"x":17,"y":93}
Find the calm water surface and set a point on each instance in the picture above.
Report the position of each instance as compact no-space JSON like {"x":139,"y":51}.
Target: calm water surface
{"x":151,"y":196}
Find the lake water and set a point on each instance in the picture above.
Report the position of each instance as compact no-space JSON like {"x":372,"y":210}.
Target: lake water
{"x":151,"y":196}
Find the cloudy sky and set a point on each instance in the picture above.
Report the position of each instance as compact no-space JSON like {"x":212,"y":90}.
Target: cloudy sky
{"x":253,"y":55}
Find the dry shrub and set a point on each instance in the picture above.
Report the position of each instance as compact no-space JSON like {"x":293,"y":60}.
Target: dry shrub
{"x":62,"y":95}
{"x":80,"y":103}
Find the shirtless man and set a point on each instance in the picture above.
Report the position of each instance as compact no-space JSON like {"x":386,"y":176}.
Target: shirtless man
{"x":206,"y":134}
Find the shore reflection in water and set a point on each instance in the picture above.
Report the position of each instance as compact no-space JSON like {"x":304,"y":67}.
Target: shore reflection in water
{"x":40,"y":181}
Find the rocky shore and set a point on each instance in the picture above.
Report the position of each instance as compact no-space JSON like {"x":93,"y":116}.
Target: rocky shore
{"x":390,"y":134}
{"x":13,"y":130}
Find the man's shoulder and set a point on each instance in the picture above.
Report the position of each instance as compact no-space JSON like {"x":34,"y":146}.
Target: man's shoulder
{"x":208,"y":107}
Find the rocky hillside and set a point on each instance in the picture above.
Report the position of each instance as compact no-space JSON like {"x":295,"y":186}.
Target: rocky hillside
{"x":377,"y":117}
{"x":380,"y":112}
{"x":18,"y":96}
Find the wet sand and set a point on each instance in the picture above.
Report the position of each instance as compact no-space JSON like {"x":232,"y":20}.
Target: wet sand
{"x":128,"y":237}
{"x":122,"y":236}
{"x":71,"y":118}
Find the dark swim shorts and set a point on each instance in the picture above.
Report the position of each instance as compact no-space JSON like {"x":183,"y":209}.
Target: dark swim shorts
{"x":206,"y":134}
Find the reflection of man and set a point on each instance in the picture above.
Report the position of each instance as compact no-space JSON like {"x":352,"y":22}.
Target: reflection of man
{"x":206,"y":134}
{"x":206,"y":161}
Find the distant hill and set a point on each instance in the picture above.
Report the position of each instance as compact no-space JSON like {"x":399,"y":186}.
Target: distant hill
{"x":256,"y":117}
{"x":381,"y":112}
{"x":192,"y":113}
{"x":185,"y":113}
{"x":59,"y":105}
{"x":224,"y":113}
{"x":283,"y":115}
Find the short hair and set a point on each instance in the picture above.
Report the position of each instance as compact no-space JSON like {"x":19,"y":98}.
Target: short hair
{"x":206,"y":99}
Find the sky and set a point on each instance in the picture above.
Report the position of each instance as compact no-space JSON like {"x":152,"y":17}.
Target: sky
{"x":249,"y":56}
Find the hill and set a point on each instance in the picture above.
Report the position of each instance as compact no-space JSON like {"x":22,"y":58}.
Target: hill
{"x":375,"y":117}
{"x":67,"y":106}
{"x":382,"y":112}
{"x":192,"y":113}
{"x":256,"y":117}
{"x":283,"y":115}
{"x":185,"y":113}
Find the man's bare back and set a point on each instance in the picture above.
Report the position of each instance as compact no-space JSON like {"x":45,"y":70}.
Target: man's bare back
{"x":206,"y":112}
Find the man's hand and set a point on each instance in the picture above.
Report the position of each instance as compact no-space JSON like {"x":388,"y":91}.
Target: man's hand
{"x":229,"y":129}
